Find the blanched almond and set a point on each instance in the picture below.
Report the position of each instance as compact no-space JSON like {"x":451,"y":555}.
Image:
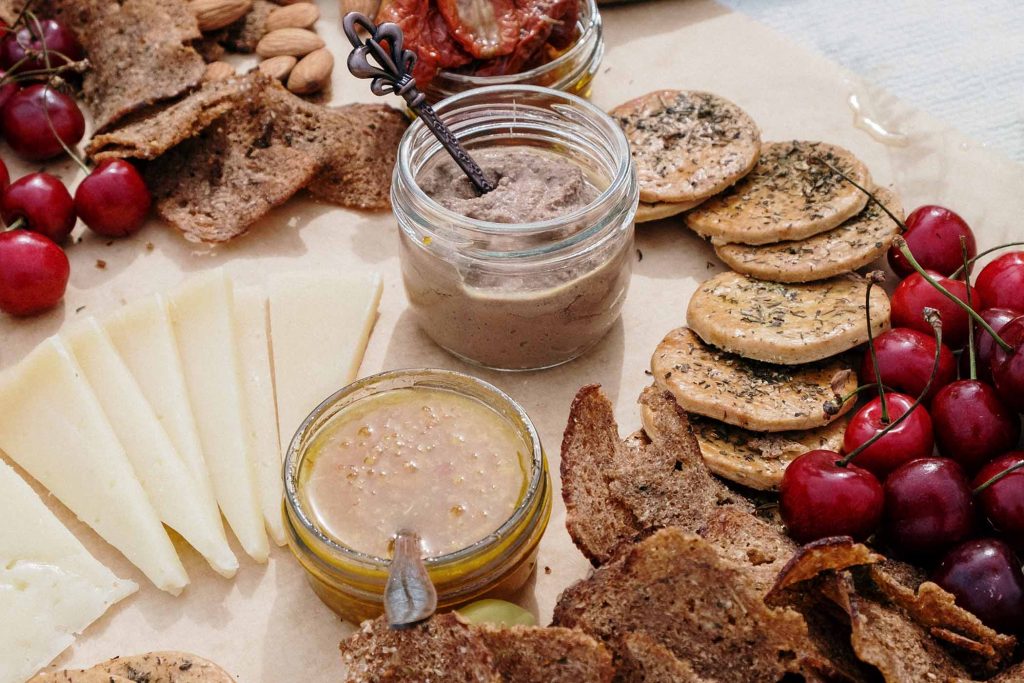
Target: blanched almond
{"x":218,"y":71}
{"x":299,"y":15}
{"x":214,"y":14}
{"x":289,"y":41}
{"x":278,"y":67}
{"x":312,"y":73}
{"x":366,"y":7}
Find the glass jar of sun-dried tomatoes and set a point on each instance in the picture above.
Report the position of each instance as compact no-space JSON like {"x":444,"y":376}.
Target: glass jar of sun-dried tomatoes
{"x":570,"y":71}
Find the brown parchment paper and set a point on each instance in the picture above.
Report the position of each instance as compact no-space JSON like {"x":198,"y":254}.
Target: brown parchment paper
{"x":266,"y":624}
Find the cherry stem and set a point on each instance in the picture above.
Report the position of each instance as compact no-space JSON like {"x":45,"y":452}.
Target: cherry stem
{"x":21,"y":15}
{"x":971,"y":356}
{"x":869,"y":193}
{"x":46,"y":110}
{"x":875,"y":277}
{"x":960,"y":271}
{"x":901,"y":244}
{"x":833,"y":406}
{"x":1005,"y":473}
{"x":933,"y":318}
{"x":18,"y":222}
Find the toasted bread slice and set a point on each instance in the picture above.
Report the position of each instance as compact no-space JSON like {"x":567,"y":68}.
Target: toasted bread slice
{"x":535,"y":654}
{"x":789,"y":195}
{"x":749,"y":394}
{"x":152,"y":667}
{"x":645,"y":660}
{"x":675,"y":588}
{"x":758,"y":460}
{"x":687,"y":145}
{"x":647,"y":212}
{"x":785,"y":324}
{"x":854,"y":244}
{"x":749,"y":541}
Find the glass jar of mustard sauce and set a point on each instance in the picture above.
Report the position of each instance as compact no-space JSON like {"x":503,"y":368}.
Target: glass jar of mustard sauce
{"x":519,"y":295}
{"x":572,"y":71}
{"x":429,"y":450}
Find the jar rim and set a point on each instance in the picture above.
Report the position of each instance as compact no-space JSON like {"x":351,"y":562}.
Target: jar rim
{"x":418,"y":377}
{"x":592,"y":23}
{"x":621,"y":152}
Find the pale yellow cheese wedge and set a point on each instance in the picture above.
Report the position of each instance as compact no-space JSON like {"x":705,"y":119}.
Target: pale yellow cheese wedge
{"x":258,"y":385}
{"x":51,"y":588}
{"x":52,"y":425}
{"x":319,"y":327}
{"x":163,"y":474}
{"x":203,"y":321}
{"x":144,"y":338}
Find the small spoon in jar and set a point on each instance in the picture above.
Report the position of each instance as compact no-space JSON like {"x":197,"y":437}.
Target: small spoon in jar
{"x":391,"y":71}
{"x":409,"y":596}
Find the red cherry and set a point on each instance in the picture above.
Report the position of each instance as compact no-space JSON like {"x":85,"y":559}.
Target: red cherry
{"x":5,"y":176}
{"x":6,"y":90}
{"x":1001,"y":283}
{"x":1008,"y":366}
{"x":933,"y":235}
{"x":34,"y":273}
{"x":986,"y":579}
{"x":905,"y":360}
{"x":915,"y":293}
{"x":1003,"y":502}
{"x":43,"y":202}
{"x":58,"y":40}
{"x":972,"y":425}
{"x":27,"y":129}
{"x":113,"y":200}
{"x":928,"y":507}
{"x":819,"y":498}
{"x":909,"y":440}
{"x":983,"y":343}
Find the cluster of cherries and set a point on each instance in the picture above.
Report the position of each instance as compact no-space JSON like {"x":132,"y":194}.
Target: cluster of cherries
{"x":41,"y":121}
{"x":960,"y":513}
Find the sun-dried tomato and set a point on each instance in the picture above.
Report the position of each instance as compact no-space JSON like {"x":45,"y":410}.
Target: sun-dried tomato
{"x":540,"y":19}
{"x":485,"y":28}
{"x":426,"y":33}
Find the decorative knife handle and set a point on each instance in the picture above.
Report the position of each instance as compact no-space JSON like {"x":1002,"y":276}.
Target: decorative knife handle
{"x":390,"y":71}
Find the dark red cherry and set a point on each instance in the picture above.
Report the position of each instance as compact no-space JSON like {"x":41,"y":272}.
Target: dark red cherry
{"x":27,"y":129}
{"x":933,"y":235}
{"x":1001,"y":283}
{"x":1002,"y":503}
{"x":1008,"y":366}
{"x":113,"y":200}
{"x":29,"y":40}
{"x":915,"y":293}
{"x":909,"y":440}
{"x":928,"y":507}
{"x":5,"y":176}
{"x":972,"y":424}
{"x":905,"y":359}
{"x":34,"y":273}
{"x":983,"y":343}
{"x":819,"y":498}
{"x":42,"y":202}
{"x":986,"y":579}
{"x":7,"y":89}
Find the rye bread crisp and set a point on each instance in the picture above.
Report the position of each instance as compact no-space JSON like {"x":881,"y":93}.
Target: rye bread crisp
{"x":536,"y":654}
{"x":751,"y":542}
{"x":674,"y":587}
{"x":645,"y":660}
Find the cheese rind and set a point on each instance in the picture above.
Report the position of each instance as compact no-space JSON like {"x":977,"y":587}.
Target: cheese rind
{"x":51,"y":424}
{"x":203,"y":321}
{"x":257,"y":380}
{"x":51,"y":588}
{"x":320,"y":325}
{"x":144,"y":338}
{"x":163,"y":474}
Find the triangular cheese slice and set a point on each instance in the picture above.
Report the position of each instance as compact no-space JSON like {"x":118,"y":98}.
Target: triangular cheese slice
{"x":51,"y":588}
{"x":163,"y":474}
{"x":258,"y":383}
{"x":203,"y":319}
{"x":52,"y":425}
{"x":319,"y":327}
{"x":144,"y":338}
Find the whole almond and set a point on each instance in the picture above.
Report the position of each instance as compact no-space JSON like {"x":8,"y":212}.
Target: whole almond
{"x":312,"y":73}
{"x":278,"y":67}
{"x":289,"y":41}
{"x":214,"y":14}
{"x":366,"y":7}
{"x":218,"y":71}
{"x":299,"y":15}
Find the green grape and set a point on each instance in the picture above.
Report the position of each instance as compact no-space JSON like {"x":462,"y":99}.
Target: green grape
{"x":497,"y":612}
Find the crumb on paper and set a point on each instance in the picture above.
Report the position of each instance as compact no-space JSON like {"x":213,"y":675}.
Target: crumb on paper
{"x":710,"y":265}
{"x":150,"y":246}
{"x":110,"y":242}
{"x":101,"y":264}
{"x":547,"y":570}
{"x":639,"y":255}
{"x":79,"y":309}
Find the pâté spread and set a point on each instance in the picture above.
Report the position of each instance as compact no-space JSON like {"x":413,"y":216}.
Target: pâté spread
{"x":427,"y":460}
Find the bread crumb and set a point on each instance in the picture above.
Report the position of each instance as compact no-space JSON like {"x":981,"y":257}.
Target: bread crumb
{"x":101,"y":264}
